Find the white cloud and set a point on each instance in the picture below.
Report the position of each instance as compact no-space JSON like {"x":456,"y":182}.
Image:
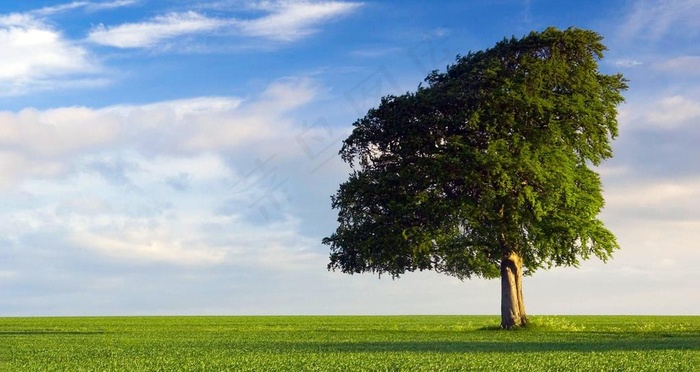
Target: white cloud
{"x":149,"y":224}
{"x":149,"y":244}
{"x":658,"y":195}
{"x":199,"y":168}
{"x":6,"y":275}
{"x":88,"y":5}
{"x":87,"y":206}
{"x":283,"y":21}
{"x":160,"y":183}
{"x":14,"y":167}
{"x":686,"y":65}
{"x":667,"y":113}
{"x":627,"y":63}
{"x":48,"y":143}
{"x":654,"y":19}
{"x":674,"y":112}
{"x":57,"y":132}
{"x":293,"y":20}
{"x":35,"y":55}
{"x":375,"y":52}
{"x":154,"y":31}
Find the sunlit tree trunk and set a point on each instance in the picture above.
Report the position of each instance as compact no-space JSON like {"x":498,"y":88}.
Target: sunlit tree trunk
{"x":512,"y":305}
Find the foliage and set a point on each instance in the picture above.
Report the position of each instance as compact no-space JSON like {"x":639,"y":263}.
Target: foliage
{"x":348,"y":343}
{"x":493,"y":156}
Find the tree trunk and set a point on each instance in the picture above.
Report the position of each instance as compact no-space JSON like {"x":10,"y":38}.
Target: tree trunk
{"x":512,"y":305}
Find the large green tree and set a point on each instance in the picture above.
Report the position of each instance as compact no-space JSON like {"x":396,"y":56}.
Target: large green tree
{"x":487,"y":170}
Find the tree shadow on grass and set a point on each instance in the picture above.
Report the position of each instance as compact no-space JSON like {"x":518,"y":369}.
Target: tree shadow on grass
{"x":48,"y":332}
{"x":650,"y":344}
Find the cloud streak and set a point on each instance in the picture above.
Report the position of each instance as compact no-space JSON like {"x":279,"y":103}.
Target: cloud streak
{"x":655,"y":19}
{"x":674,"y":112}
{"x":685,"y":65}
{"x":152,"y":32}
{"x":87,"y":5}
{"x":284,"y":21}
{"x":291,"y":21}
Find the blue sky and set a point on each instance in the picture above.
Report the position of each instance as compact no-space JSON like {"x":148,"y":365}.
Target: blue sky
{"x":178,"y":157}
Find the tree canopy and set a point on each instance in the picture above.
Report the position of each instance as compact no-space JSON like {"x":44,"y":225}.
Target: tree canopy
{"x":494,"y":156}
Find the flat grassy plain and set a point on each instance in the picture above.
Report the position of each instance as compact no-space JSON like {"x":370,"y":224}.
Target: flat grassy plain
{"x":349,"y":343}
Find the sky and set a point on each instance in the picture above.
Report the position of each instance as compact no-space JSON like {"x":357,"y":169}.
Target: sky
{"x":177,"y":157}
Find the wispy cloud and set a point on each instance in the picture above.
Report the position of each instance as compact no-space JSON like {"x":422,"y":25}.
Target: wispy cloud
{"x":669,"y":194}
{"x":687,"y":65}
{"x":88,"y":5}
{"x":375,"y":52}
{"x":674,"y":112}
{"x":626,"y":63}
{"x":654,"y":19}
{"x":153,"y":31}
{"x":37,"y":56}
{"x":289,"y":21}
{"x":282,"y":21}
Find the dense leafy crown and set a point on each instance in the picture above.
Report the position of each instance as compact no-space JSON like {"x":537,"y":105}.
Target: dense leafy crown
{"x":493,"y":156}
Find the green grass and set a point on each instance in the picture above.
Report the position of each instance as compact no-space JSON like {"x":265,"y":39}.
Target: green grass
{"x":320,"y":343}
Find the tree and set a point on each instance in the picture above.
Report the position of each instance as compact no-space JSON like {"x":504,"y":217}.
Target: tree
{"x":487,"y":170}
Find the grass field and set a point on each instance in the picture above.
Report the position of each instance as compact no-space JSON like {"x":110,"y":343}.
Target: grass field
{"x":373,"y":343}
